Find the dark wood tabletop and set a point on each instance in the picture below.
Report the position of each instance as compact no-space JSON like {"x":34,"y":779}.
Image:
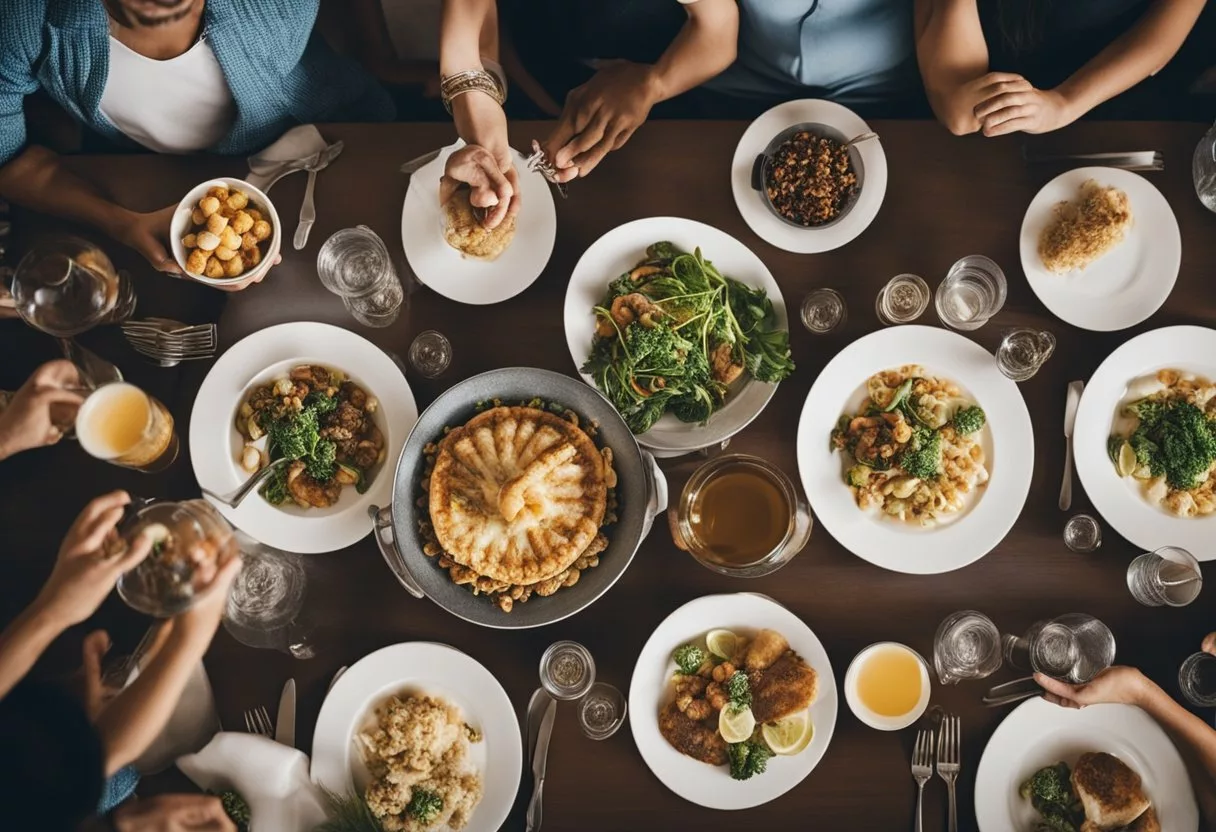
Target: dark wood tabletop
{"x":947,"y":197}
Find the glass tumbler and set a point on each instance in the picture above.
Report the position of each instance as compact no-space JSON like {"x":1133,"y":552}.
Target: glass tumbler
{"x":973,"y":291}
{"x":1197,"y":680}
{"x":266,"y":606}
{"x":567,"y":670}
{"x":1023,"y":352}
{"x":1170,"y":576}
{"x":66,"y":285}
{"x":967,"y":646}
{"x":904,"y":299}
{"x":355,"y":264}
{"x":1073,"y":648}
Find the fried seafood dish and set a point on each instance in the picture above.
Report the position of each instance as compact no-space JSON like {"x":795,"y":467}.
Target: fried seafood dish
{"x":737,"y":702}
{"x":226,"y":235}
{"x":1083,"y":231}
{"x":518,"y":498}
{"x":809,"y":180}
{"x":417,"y":753}
{"x":1170,"y":446}
{"x":914,"y":447}
{"x":464,"y":230}
{"x":322,"y":423}
{"x":1099,"y":793}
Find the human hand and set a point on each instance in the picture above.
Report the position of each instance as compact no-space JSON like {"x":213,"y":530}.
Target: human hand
{"x":173,"y":813}
{"x":1011,"y":104}
{"x":148,"y":234}
{"x":1209,"y":644}
{"x":84,"y":572}
{"x":40,"y":410}
{"x":92,"y":687}
{"x":1119,"y":684}
{"x":493,"y":188}
{"x":200,"y":622}
{"x":600,"y":116}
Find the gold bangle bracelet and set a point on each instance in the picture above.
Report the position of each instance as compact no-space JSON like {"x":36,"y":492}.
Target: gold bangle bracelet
{"x":471,"y":80}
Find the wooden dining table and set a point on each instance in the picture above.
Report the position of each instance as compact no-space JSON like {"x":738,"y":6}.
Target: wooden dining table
{"x":947,"y":197}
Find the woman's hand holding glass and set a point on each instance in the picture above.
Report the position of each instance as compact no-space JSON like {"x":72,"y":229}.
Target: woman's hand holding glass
{"x":41,"y":409}
{"x":1119,"y":684}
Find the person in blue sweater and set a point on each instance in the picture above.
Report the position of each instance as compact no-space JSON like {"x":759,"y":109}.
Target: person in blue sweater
{"x":172,"y":76}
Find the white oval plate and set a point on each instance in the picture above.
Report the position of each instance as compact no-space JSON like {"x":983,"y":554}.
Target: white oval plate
{"x":617,"y":252}
{"x":466,"y":279}
{"x":773,"y":229}
{"x":1126,"y":285}
{"x":215,"y":443}
{"x":1038,"y":733}
{"x":1008,"y":440}
{"x":650,"y":689}
{"x":438,"y":670}
{"x":1118,"y":500}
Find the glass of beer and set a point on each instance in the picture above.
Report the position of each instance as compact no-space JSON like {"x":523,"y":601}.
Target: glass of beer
{"x":124,"y":425}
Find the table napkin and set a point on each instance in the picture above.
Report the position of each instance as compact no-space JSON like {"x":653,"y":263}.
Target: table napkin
{"x":272,"y":778}
{"x":297,"y":143}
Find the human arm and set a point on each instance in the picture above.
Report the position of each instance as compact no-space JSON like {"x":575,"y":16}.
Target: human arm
{"x":1139,"y":52}
{"x":39,"y":411}
{"x":603,"y":113}
{"x":173,"y":813}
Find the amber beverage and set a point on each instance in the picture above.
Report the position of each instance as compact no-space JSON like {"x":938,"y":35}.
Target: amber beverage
{"x":124,"y":425}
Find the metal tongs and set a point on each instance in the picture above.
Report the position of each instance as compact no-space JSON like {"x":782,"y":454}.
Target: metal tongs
{"x":539,"y":163}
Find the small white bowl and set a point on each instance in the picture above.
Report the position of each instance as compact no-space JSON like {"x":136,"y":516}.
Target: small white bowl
{"x":885,"y":723}
{"x":181,"y":225}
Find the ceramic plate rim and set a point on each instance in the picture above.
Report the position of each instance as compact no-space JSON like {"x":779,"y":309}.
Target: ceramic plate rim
{"x":956,"y":544}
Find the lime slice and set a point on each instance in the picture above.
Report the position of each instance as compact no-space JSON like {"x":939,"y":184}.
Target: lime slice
{"x":790,"y":735}
{"x":736,"y":726}
{"x":1127,"y":459}
{"x":156,"y":533}
{"x":722,"y":643}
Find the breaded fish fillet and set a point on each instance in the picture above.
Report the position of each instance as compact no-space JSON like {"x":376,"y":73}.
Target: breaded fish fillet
{"x":768,"y":646}
{"x":786,"y":687}
{"x":1111,"y":793}
{"x":696,"y":739}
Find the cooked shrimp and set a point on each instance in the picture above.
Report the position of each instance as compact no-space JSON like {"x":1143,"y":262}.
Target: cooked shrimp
{"x":633,"y":307}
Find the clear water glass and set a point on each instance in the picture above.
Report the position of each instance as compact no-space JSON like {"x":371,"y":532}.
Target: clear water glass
{"x":601,"y":711}
{"x":567,"y":670}
{"x":967,"y":646}
{"x":1082,"y":534}
{"x":379,"y":309}
{"x":1170,"y":576}
{"x":823,"y":310}
{"x":1073,"y":648}
{"x":1023,"y":351}
{"x":430,"y":354}
{"x":266,"y":604}
{"x":355,"y":264}
{"x":65,"y":286}
{"x":1197,"y":680}
{"x":1203,"y":169}
{"x":973,"y":291}
{"x":904,"y":299}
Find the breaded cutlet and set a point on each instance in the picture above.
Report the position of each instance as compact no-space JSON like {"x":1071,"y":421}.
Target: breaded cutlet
{"x":1110,"y":792}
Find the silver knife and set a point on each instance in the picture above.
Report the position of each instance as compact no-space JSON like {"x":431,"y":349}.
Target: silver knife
{"x":540,"y":761}
{"x":285,"y":722}
{"x":334,"y":681}
{"x":308,"y":208}
{"x":536,"y":712}
{"x":413,"y":165}
{"x":1075,"y":389}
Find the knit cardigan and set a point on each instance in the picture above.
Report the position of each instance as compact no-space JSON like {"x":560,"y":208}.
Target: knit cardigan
{"x":280,"y":73}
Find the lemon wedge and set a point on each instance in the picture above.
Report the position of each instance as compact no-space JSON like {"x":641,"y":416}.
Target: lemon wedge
{"x":722,"y":643}
{"x":790,"y":735}
{"x":736,"y":726}
{"x":1127,"y":460}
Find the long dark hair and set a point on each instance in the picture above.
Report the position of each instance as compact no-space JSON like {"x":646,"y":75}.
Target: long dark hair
{"x":1023,"y":23}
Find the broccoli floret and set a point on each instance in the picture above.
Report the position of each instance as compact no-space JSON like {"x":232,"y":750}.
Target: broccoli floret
{"x":321,"y":402}
{"x":747,"y":759}
{"x":1048,"y":787}
{"x":739,"y":690}
{"x":1147,"y":452}
{"x":922,"y":457}
{"x":321,"y":466}
{"x":236,"y":809}
{"x":969,"y":420}
{"x":424,"y":806}
{"x":1188,"y":446}
{"x":689,"y":659}
{"x":653,"y":347}
{"x":1146,"y":410}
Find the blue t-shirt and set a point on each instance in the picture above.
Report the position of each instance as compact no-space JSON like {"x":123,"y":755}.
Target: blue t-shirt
{"x":852,"y":51}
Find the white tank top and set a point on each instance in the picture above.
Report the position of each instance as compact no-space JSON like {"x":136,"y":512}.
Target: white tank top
{"x":176,"y":106}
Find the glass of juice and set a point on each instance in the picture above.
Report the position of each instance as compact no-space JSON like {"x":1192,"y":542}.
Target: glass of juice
{"x":741,"y":516}
{"x":887,"y":686}
{"x":124,"y":425}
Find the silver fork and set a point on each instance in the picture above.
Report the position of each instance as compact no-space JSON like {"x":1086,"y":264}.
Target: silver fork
{"x":949,"y":757}
{"x":922,"y":769}
{"x":1133,"y":160}
{"x":257,"y":721}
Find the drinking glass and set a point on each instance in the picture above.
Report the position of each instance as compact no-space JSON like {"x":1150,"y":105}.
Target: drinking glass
{"x":266,"y":606}
{"x":430,"y":354}
{"x":973,"y":291}
{"x":1073,"y":648}
{"x":355,"y":264}
{"x":904,"y":299}
{"x":1203,"y":169}
{"x":567,"y":670}
{"x":123,"y":425}
{"x":66,"y":285}
{"x":601,"y":711}
{"x":1023,"y":351}
{"x":1082,"y":534}
{"x":967,"y":646}
{"x":823,"y":310}
{"x":191,"y":543}
{"x":1170,"y":576}
{"x":1197,"y":679}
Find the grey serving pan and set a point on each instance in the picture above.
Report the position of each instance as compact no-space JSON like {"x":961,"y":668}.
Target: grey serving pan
{"x":641,"y":496}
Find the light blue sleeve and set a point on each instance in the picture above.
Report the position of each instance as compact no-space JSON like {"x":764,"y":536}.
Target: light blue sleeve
{"x":20,"y":26}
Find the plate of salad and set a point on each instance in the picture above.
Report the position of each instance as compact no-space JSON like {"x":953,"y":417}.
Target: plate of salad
{"x":681,"y":327}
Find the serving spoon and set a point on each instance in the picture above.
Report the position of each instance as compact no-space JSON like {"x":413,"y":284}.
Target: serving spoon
{"x":234,"y":499}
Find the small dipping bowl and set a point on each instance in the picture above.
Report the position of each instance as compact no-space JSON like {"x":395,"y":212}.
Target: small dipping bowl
{"x":761,"y":165}
{"x":883,"y":722}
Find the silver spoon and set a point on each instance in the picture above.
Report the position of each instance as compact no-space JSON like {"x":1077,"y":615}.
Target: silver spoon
{"x":864,"y":137}
{"x":237,"y":497}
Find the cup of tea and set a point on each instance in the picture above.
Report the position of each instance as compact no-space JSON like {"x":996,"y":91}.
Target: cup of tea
{"x":741,"y":516}
{"x":887,"y":686}
{"x":125,"y":426}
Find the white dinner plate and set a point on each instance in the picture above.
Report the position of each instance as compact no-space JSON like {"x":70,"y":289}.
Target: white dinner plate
{"x":426,"y":668}
{"x":1128,"y":283}
{"x":617,"y":252}
{"x":467,"y":279}
{"x":215,"y":443}
{"x":771,"y":228}
{"x":650,"y":689}
{"x":1118,"y":499}
{"x":1007,"y":439}
{"x":1038,"y":733}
